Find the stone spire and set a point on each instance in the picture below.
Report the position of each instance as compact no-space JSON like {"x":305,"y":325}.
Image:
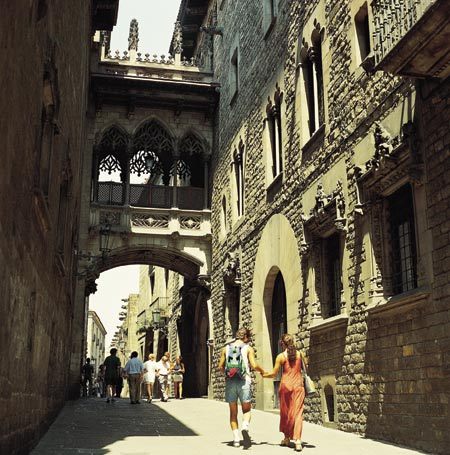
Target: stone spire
{"x":133,"y":36}
{"x":178,"y":41}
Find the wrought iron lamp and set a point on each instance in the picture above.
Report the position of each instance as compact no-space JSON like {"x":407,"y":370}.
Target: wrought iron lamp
{"x":159,"y":322}
{"x":104,"y":236}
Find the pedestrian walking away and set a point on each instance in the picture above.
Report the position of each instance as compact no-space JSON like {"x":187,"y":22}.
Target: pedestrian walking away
{"x":291,"y":391}
{"x":119,"y":385}
{"x":162,"y":372}
{"x":134,"y":370}
{"x":112,"y":367}
{"x":150,"y":375}
{"x":178,"y":370}
{"x":235,"y":361}
{"x":87,"y":373}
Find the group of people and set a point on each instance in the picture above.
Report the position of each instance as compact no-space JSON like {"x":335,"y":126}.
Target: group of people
{"x":165,"y":371}
{"x":236,"y":362}
{"x":111,"y":375}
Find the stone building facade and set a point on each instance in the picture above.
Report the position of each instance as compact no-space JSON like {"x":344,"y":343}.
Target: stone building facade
{"x":43,"y":93}
{"x":95,"y":340}
{"x":330,"y":206}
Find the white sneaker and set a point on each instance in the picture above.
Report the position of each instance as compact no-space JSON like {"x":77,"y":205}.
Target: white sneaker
{"x":236,"y":443}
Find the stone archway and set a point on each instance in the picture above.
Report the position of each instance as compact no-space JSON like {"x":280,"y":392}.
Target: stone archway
{"x":277,"y":252}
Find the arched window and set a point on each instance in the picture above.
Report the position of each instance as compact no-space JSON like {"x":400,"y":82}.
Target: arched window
{"x":190,"y":165}
{"x":312,"y":75}
{"x":152,"y":153}
{"x":151,"y":166}
{"x":110,"y":166}
{"x":273,"y":111}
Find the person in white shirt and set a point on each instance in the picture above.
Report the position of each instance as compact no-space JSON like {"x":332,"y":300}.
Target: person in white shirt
{"x":149,"y":375}
{"x":134,"y":369}
{"x":162,"y":371}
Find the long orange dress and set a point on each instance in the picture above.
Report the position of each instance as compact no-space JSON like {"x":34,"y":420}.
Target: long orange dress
{"x":292,"y":398}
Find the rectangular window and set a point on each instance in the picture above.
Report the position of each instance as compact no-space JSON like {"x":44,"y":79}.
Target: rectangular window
{"x":333,"y":275}
{"x":362,"y":32}
{"x":403,"y":243}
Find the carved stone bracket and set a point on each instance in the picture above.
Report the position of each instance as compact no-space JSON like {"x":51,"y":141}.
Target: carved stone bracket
{"x":328,"y":212}
{"x":395,"y":159}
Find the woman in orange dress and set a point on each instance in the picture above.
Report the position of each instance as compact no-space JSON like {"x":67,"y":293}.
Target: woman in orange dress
{"x":291,"y":391}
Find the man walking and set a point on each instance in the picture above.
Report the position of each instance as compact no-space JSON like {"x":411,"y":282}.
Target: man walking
{"x":134,"y":369}
{"x":112,"y":367}
{"x":162,"y":372}
{"x":235,"y":361}
{"x":87,"y":371}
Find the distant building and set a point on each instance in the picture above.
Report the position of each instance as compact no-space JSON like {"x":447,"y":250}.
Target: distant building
{"x":95,"y":339}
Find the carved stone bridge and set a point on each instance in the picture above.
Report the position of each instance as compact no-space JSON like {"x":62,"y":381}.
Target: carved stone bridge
{"x":148,"y":185}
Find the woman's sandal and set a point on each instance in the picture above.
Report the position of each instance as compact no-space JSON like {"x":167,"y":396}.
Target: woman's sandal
{"x":285,"y":442}
{"x":298,"y":446}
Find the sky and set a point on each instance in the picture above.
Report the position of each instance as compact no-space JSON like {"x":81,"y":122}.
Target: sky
{"x":156,"y":20}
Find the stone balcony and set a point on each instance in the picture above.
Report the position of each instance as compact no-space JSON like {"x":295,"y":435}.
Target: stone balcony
{"x":158,"y":222}
{"x":412,"y":37}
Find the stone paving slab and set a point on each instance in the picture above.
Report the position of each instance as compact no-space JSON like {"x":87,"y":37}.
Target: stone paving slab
{"x":184,"y":427}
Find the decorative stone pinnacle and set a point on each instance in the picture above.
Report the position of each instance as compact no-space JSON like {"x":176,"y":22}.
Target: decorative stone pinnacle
{"x":178,"y":38}
{"x":133,"y":36}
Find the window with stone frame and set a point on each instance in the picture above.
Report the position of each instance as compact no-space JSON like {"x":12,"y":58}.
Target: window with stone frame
{"x":362,"y":30}
{"x":234,"y":74}
{"x":270,"y":13}
{"x":402,"y":240}
{"x":239,"y":176}
{"x":273,"y":119}
{"x":324,"y":231}
{"x":311,"y":69}
{"x":389,"y":187}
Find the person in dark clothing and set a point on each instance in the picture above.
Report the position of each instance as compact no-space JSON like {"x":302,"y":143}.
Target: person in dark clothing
{"x":112,"y":372}
{"x":87,"y":373}
{"x":119,"y":385}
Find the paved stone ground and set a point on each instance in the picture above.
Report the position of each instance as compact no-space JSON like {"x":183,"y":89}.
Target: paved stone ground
{"x":191,"y":426}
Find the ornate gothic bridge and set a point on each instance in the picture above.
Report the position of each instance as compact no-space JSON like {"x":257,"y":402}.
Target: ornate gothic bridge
{"x":146,"y":182}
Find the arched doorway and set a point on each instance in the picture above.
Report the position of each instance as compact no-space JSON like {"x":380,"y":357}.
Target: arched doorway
{"x":278,"y":326}
{"x":276,"y":291}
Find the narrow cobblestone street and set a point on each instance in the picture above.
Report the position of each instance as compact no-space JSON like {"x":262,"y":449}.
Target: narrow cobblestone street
{"x":192,"y":426}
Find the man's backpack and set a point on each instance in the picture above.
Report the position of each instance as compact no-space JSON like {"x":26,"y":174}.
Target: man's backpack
{"x":234,"y":363}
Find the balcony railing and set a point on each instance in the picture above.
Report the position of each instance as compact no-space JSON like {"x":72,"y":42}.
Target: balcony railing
{"x":411,"y":36}
{"x":151,"y":196}
{"x":110,"y":193}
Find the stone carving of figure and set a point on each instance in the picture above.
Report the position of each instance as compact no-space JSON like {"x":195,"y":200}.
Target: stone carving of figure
{"x":133,"y":36}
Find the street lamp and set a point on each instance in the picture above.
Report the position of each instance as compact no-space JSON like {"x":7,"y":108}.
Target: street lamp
{"x":104,"y":236}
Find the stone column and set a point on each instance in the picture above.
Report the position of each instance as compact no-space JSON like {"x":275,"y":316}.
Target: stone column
{"x":206,"y":158}
{"x":127,"y":180}
{"x":175,"y":181}
{"x":78,"y":332}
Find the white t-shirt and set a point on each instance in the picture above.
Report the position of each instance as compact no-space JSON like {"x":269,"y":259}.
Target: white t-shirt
{"x":163,"y":367}
{"x":150,"y":367}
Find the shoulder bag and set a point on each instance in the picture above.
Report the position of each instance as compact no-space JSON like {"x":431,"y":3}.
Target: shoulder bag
{"x":310,"y":388}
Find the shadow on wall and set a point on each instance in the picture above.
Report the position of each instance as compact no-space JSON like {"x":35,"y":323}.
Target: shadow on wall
{"x":408,"y":389}
{"x":326,"y":355}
